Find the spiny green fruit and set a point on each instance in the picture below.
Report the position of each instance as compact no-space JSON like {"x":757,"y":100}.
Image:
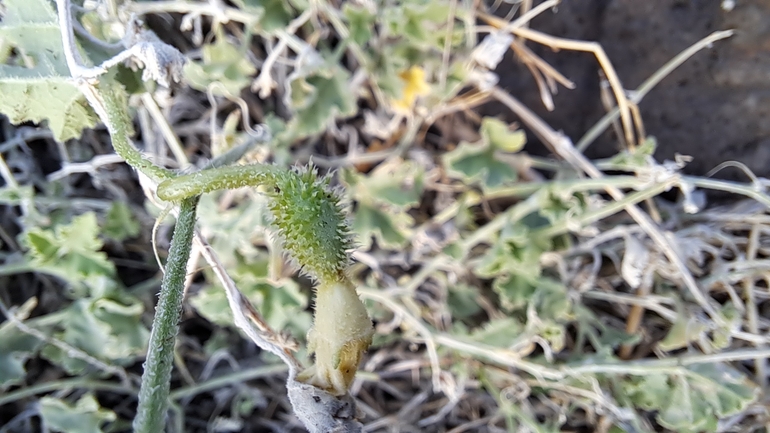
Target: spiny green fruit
{"x":311,"y":223}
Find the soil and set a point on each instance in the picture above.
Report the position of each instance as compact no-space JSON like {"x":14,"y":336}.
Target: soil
{"x":714,"y":107}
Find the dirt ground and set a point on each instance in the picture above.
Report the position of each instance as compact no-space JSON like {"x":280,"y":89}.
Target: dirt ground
{"x":713,"y":107}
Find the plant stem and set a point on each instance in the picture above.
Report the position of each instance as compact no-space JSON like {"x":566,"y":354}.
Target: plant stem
{"x":115,"y":110}
{"x":154,"y":392}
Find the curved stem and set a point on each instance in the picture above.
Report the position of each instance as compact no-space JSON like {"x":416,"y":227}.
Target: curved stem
{"x":237,"y":176}
{"x":154,"y":393}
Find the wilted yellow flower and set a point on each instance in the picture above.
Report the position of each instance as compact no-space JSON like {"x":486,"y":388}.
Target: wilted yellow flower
{"x":414,"y":87}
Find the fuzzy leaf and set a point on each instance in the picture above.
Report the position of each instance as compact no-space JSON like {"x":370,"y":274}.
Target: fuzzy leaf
{"x":104,"y":328}
{"x":547,"y":296}
{"x":36,"y":86}
{"x":281,"y":303}
{"x":384,"y":196}
{"x":479,"y":162}
{"x":419,"y":22}
{"x":222,"y":62}
{"x":318,"y":98}
{"x":557,"y":204}
{"x":639,"y":157}
{"x":360,"y":22}
{"x":70,"y":252}
{"x":15,"y":348}
{"x":462,"y":301}
{"x":685,"y":330}
{"x":271,"y":15}
{"x":702,"y":395}
{"x":85,"y":417}
{"x":390,"y":230}
{"x":499,"y":332}
{"x":233,"y":231}
{"x":499,"y":135}
{"x":120,"y":223}
{"x":514,"y":252}
{"x":398,"y":184}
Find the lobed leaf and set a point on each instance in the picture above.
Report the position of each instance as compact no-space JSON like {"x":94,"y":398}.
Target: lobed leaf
{"x":479,"y":162}
{"x":222,"y":63}
{"x":70,"y":252}
{"x":703,"y":394}
{"x":15,"y":348}
{"x":36,"y":86}
{"x":86,"y":416}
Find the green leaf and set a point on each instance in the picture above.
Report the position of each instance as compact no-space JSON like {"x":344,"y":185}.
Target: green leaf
{"x":270,"y":15}
{"x":222,"y":63}
{"x":384,"y":196}
{"x":398,"y":184}
{"x":557,"y":204}
{"x":15,"y":348}
{"x":514,"y":252}
{"x":121,"y":223}
{"x":105,"y":328}
{"x":420,"y":23}
{"x":639,"y":157}
{"x":360,"y":22}
{"x":685,"y":330}
{"x":70,"y":252}
{"x":85,"y":417}
{"x":701,"y":395}
{"x":473,"y":163}
{"x":499,"y":135}
{"x":37,"y":87}
{"x":548,"y":295}
{"x":281,"y":303}
{"x":499,"y":332}
{"x":319,"y":97}
{"x":462,"y":301}
{"x":479,"y":162}
{"x":390,"y":230}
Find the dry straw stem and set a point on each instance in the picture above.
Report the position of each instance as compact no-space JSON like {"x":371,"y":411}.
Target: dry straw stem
{"x":572,"y":45}
{"x":637,"y":95}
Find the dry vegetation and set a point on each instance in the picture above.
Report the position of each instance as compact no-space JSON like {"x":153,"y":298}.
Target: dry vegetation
{"x":509,"y":292}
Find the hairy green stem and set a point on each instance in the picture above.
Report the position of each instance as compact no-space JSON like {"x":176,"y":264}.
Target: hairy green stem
{"x":236,"y":176}
{"x":119,"y":126}
{"x":154,"y":392}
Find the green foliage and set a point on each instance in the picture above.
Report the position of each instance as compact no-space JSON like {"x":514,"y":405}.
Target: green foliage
{"x":453,"y":239}
{"x":222,"y":63}
{"x":15,"y":348}
{"x":269,"y":15}
{"x":317,"y":97}
{"x":706,"y":393}
{"x":86,"y":416}
{"x":35,"y":84}
{"x":479,"y":162}
{"x":384,"y":198}
{"x":120,"y":223}
{"x":106,"y":328}
{"x":360,"y":21}
{"x":281,"y":303}
{"x":71,"y":252}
